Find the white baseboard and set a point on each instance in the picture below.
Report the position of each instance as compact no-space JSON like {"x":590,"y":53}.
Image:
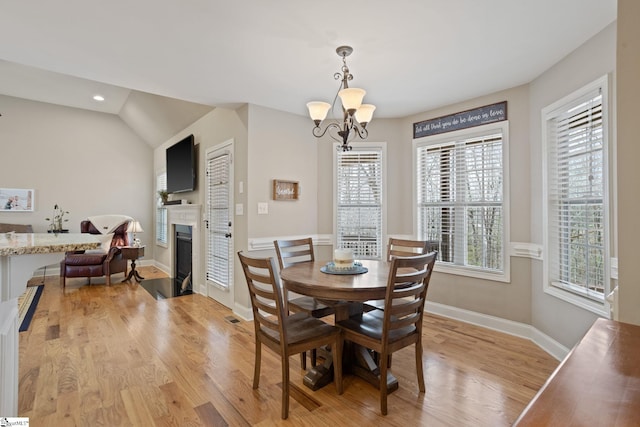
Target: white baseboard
{"x":522,"y":330}
{"x":245,"y":313}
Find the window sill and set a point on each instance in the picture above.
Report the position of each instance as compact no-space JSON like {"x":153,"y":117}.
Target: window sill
{"x":601,"y":309}
{"x":472,"y":272}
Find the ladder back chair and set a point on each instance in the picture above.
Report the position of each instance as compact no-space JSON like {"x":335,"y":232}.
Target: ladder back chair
{"x":403,"y":248}
{"x":400,"y":323}
{"x":283,"y":334}
{"x":291,"y":252}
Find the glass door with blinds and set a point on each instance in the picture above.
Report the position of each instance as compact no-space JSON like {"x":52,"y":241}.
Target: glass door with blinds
{"x":219,"y":256}
{"x":359,"y":201}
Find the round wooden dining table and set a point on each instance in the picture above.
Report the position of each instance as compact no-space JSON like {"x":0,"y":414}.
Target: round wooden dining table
{"x":346,"y":293}
{"x":306,"y":278}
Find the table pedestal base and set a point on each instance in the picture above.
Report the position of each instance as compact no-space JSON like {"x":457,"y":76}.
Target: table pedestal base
{"x":357,"y":360}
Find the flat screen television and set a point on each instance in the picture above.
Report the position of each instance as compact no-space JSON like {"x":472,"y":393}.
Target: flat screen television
{"x":181,"y":166}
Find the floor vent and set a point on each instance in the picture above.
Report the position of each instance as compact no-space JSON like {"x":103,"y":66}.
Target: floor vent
{"x":231,"y":319}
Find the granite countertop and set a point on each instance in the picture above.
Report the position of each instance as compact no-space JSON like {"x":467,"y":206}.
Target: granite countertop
{"x":42,"y":243}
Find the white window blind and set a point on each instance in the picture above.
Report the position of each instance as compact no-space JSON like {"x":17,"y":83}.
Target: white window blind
{"x":576,"y":204}
{"x":219,"y":217}
{"x":460,"y":200}
{"x":161,"y":211}
{"x":359,"y":201}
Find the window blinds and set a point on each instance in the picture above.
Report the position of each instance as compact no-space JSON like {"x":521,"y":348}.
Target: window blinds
{"x":359,"y":202}
{"x":219,"y":241}
{"x":460,"y":200}
{"x":576,"y":190}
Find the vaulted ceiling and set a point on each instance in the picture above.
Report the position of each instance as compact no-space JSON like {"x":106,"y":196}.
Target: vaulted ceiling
{"x":185,"y":58}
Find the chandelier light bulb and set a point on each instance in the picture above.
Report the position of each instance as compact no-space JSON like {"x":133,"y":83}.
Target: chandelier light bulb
{"x":351,"y":98}
{"x":318,"y":111}
{"x":364,"y":114}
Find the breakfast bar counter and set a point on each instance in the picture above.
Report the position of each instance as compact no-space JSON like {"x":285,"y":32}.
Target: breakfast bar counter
{"x":20,"y":255}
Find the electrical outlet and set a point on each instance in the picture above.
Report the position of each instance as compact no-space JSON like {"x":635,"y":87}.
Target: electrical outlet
{"x":239,"y":209}
{"x":263,"y":208}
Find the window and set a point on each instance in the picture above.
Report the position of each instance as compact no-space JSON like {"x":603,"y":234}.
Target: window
{"x":360,"y":200}
{"x":461,"y":200}
{"x":576,"y":205}
{"x":161,"y":211}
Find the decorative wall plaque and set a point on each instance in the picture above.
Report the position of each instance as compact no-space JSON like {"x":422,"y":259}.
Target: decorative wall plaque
{"x":285,"y":190}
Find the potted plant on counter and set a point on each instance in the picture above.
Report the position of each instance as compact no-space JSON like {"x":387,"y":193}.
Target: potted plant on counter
{"x":56,"y":221}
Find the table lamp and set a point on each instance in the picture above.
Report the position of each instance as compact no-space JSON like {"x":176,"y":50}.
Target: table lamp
{"x":135,"y":227}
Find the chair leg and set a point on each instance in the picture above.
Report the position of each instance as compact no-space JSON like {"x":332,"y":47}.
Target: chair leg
{"x":337,"y":364}
{"x":383,"y":383}
{"x":285,"y":386}
{"x":303,"y":360}
{"x":314,"y":357}
{"x":419,"y":367}
{"x":256,"y":366}
{"x":63,"y":281}
{"x":108,"y":280}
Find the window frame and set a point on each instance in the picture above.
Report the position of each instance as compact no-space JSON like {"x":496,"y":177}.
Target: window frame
{"x":363,"y":146}
{"x":451,"y":137}
{"x":567,"y":293}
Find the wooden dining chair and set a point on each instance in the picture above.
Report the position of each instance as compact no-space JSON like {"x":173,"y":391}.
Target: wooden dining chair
{"x":403,"y":248}
{"x":284,"y":334}
{"x":291,"y":252}
{"x":400,"y":323}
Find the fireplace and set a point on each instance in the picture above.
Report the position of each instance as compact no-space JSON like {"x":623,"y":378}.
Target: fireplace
{"x":183,"y":260}
{"x":184,"y":236}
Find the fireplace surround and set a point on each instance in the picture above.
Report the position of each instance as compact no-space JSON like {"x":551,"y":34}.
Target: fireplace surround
{"x":180,"y":216}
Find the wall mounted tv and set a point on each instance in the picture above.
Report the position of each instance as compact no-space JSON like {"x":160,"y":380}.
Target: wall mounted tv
{"x":181,"y":166}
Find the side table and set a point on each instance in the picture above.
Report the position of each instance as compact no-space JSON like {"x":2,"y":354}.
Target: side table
{"x":133,"y":253}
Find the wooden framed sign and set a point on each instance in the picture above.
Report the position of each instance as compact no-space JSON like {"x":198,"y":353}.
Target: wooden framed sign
{"x":462,"y":120}
{"x":285,"y":190}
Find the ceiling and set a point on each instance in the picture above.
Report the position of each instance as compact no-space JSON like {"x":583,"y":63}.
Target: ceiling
{"x":410,"y":55}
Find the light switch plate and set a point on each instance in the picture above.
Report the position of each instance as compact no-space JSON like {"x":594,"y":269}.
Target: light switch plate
{"x":263,"y":208}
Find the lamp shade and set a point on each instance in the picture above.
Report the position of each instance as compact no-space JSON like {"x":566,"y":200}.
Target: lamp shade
{"x":365,"y":113}
{"x":135,"y":227}
{"x":351,"y":98}
{"x":318,"y":110}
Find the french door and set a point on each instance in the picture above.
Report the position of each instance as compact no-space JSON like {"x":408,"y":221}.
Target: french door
{"x":219,"y":221}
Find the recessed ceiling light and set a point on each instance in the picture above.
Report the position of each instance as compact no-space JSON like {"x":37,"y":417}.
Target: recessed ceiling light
{"x":98,"y":98}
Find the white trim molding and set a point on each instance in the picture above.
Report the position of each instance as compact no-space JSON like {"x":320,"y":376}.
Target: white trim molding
{"x":526,"y":250}
{"x":522,"y":330}
{"x":266,"y":243}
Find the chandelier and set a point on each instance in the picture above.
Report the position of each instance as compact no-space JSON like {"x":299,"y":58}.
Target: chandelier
{"x":355,"y":114}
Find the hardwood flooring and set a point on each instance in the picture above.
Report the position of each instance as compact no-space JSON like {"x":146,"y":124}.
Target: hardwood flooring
{"x":114,"y":356}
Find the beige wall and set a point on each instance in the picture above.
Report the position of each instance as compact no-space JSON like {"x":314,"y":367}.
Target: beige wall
{"x":89,"y":163}
{"x":505,"y":300}
{"x":560,"y":320}
{"x":628,"y":80}
{"x":281,"y":146}
{"x":213,"y":129}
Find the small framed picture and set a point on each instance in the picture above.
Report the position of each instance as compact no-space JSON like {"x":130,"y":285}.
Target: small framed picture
{"x":285,"y":190}
{"x":16,"y":200}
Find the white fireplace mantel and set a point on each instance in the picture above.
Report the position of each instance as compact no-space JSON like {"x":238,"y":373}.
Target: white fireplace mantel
{"x":186,"y":215}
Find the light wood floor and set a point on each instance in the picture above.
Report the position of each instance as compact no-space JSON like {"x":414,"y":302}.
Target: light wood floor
{"x":114,"y":356}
